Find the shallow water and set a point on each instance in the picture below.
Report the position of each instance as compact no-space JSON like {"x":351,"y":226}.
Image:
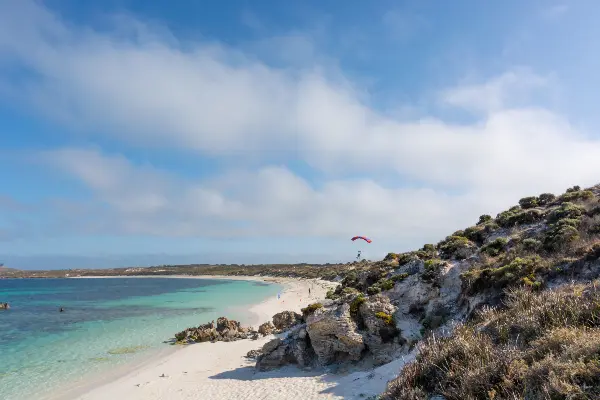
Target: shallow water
{"x":106,"y":322}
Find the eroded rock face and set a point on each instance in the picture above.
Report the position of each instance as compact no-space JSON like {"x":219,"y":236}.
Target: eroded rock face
{"x":286,"y":319}
{"x":380,"y":332}
{"x":333,"y":335}
{"x":225,"y":330}
{"x":266,"y":329}
{"x":294,"y":349}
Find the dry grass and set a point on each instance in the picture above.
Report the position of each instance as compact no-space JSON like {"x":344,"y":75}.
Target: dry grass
{"x":540,"y":346}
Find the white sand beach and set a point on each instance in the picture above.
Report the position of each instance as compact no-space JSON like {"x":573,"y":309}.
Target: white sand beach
{"x":220,"y":370}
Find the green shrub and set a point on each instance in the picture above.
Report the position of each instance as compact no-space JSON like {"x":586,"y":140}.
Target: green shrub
{"x":387,"y":318}
{"x":576,"y":195}
{"x":451,"y":245}
{"x":545,"y":199}
{"x":575,"y":188}
{"x":560,"y":235}
{"x":495,"y":247}
{"x":390,"y":257}
{"x":515,"y":216}
{"x":484,"y":218}
{"x":386,"y":284}
{"x":311,"y":308}
{"x":427,"y":252}
{"x":356,"y":303}
{"x":405,"y":258}
{"x":477,"y":233}
{"x":432,"y":270}
{"x":528,"y":202}
{"x":399,"y":277}
{"x":331,"y":295}
{"x":349,"y":290}
{"x":350,"y":280}
{"x":566,"y":210}
{"x":429,"y":248}
{"x":371,"y":290}
{"x":531,"y":244}
{"x":503,"y":276}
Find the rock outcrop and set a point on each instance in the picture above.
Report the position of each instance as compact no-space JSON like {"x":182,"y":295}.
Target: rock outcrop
{"x":333,"y":335}
{"x":380,"y":334}
{"x":266,"y":329}
{"x":225,"y":330}
{"x":294,"y":349}
{"x":286,"y":319}
{"x":253,"y":354}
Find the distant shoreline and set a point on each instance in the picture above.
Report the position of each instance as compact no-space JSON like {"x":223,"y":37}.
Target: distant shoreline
{"x":233,"y":278}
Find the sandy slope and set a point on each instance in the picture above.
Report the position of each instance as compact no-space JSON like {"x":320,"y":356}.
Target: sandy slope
{"x":220,"y":371}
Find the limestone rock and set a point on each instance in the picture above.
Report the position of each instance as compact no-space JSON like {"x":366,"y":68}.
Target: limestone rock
{"x":333,"y":335}
{"x":380,"y":332}
{"x":266,"y":329}
{"x":286,"y":319}
{"x":294,"y":349}
{"x":225,"y":330}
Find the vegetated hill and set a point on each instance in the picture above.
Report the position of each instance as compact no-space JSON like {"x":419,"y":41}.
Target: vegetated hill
{"x":542,"y":338}
{"x":504,"y":309}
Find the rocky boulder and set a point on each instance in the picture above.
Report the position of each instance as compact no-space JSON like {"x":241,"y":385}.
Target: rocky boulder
{"x":225,"y":330}
{"x":294,"y":349}
{"x":333,"y":334}
{"x":380,"y":333}
{"x":266,"y":329}
{"x":253,"y":354}
{"x":286,"y":319}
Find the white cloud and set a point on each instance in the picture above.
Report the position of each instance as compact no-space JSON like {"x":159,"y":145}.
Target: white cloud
{"x":512,"y":87}
{"x":270,"y":201}
{"x":208,"y":98}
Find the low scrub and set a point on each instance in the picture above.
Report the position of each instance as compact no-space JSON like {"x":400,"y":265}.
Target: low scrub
{"x":432,"y":271}
{"x":387,"y":318}
{"x":576,"y":194}
{"x":311,"y":308}
{"x":539,"y":346}
{"x":455,"y":246}
{"x":517,"y":216}
{"x":566,"y":210}
{"x":521,"y":270}
{"x":495,"y":247}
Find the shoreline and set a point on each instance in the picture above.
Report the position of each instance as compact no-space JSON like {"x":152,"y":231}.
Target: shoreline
{"x":118,"y":383}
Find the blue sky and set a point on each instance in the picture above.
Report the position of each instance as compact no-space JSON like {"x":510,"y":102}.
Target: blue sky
{"x":136,"y":132}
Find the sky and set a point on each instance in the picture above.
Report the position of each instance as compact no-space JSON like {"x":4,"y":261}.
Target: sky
{"x":147,"y":133}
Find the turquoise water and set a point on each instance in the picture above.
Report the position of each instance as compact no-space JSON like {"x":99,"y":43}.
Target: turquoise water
{"x":106,"y":322}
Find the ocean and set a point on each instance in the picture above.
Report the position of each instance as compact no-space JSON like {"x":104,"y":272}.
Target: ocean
{"x":106,"y":322}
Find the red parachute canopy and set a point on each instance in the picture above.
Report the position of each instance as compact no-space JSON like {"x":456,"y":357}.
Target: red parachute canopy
{"x":363,"y":238}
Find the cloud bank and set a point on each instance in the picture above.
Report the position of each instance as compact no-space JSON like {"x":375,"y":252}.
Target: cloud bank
{"x":139,"y":85}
